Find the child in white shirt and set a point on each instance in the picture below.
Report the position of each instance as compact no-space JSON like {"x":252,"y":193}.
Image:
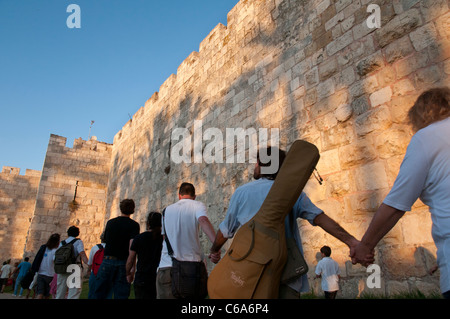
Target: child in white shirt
{"x":329,"y":270}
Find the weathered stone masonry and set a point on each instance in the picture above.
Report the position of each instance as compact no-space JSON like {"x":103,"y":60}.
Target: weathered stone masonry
{"x":311,"y":68}
{"x":82,"y":169}
{"x":17,"y":201}
{"x":316,"y":71}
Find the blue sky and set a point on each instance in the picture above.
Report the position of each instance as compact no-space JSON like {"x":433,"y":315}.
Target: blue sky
{"x":55,"y":80}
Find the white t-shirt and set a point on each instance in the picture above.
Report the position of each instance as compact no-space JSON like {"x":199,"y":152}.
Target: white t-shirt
{"x":180,"y":225}
{"x":425,"y":173}
{"x":6,"y":271}
{"x":329,"y":269}
{"x":47,"y":267}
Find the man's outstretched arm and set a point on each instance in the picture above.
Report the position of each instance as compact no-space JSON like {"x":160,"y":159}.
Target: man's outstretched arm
{"x":336,"y":230}
{"x":382,"y":222}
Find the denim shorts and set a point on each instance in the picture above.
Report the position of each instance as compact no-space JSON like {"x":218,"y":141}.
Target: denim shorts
{"x":43,"y":285}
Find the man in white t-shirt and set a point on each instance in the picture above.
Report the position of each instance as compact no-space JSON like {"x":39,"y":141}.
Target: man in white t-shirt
{"x":329,"y":271}
{"x":80,"y":255}
{"x":425,"y":174}
{"x":181,"y":223}
{"x":5,"y":274}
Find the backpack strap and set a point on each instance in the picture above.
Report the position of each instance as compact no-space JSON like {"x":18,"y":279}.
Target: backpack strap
{"x":75,"y":255}
{"x":74,"y":240}
{"x":63,"y":243}
{"x":166,"y":238}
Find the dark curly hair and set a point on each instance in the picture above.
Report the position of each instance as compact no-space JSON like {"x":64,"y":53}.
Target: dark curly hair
{"x":127,"y":206}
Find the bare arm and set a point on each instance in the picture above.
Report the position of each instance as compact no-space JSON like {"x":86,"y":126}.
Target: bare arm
{"x":334,"y":229}
{"x":207,"y":228}
{"x":382,"y":222}
{"x":131,"y":261}
{"x":216,"y":246}
{"x":84,"y":257}
{"x":218,"y":242}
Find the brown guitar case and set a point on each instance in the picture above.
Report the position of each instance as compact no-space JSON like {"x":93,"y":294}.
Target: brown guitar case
{"x":253,"y":265}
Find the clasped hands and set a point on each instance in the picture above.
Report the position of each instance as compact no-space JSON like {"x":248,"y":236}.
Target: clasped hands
{"x":360,"y":253}
{"x":215,"y":256}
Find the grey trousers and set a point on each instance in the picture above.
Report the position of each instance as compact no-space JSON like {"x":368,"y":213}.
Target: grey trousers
{"x":164,"y":284}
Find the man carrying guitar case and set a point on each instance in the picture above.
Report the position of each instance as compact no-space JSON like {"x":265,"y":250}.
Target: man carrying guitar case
{"x":253,"y":265}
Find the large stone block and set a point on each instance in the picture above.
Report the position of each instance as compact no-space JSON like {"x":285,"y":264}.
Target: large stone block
{"x":340,"y":43}
{"x":424,"y":36}
{"x":392,"y":142}
{"x":340,"y":184}
{"x":329,"y":162}
{"x":364,"y":203}
{"x":381,"y":96}
{"x":370,"y":64}
{"x":416,"y":228}
{"x":398,"y":49}
{"x":356,"y":154}
{"x":371,"y":177}
{"x":377,"y":119}
{"x":337,"y":135}
{"x":398,"y":27}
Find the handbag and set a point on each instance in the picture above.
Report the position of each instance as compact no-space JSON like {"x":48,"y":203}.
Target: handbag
{"x":189,"y":278}
{"x":296,"y":265}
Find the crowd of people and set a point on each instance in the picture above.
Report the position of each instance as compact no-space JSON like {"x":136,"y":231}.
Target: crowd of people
{"x":154,"y":259}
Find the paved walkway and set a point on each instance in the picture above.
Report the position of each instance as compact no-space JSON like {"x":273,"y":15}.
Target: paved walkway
{"x":8,"y":295}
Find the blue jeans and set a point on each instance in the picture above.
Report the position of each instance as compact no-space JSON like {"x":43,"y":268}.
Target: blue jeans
{"x":92,"y":282}
{"x":18,"y":280}
{"x":112,"y":276}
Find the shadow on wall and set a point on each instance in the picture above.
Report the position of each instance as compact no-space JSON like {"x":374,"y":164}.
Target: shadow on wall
{"x":317,"y":72}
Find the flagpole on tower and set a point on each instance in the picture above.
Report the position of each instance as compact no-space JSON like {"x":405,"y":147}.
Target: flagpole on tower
{"x":92,"y":122}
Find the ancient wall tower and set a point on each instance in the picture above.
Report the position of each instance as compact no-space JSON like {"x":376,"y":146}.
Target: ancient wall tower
{"x":72,"y":191}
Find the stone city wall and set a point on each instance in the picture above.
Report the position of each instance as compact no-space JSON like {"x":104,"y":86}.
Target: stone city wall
{"x":17,"y":202}
{"x":312,"y":69}
{"x":315,"y":70}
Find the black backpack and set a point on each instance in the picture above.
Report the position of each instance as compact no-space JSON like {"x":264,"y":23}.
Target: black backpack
{"x":65,"y":256}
